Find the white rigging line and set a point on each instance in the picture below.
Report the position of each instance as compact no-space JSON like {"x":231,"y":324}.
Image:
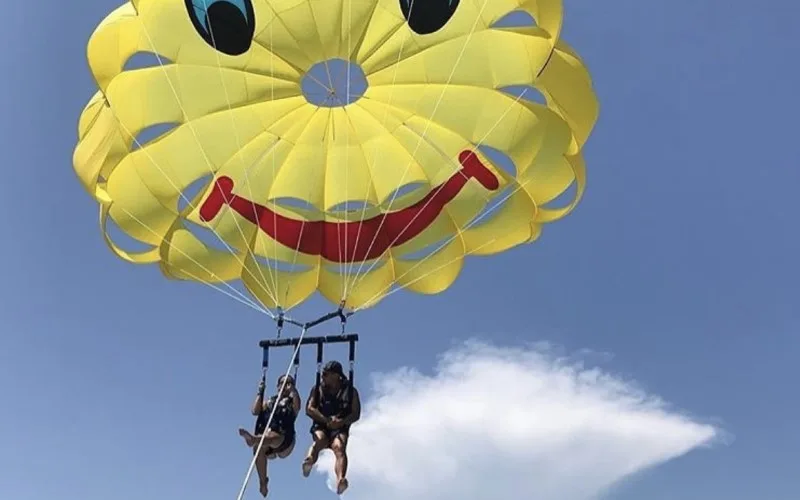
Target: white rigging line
{"x":349,"y":268}
{"x":359,"y":277}
{"x":302,"y":333}
{"x":242,"y":298}
{"x":158,"y":166}
{"x":258,"y":234}
{"x":269,"y":419}
{"x":207,"y":160}
{"x":347,"y":272}
{"x":460,"y":231}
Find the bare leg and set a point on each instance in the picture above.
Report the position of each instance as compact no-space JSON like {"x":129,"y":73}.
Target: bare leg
{"x":261,"y":469}
{"x":271,"y":441}
{"x":339,"y":447}
{"x":320,"y":443}
{"x":248,"y":438}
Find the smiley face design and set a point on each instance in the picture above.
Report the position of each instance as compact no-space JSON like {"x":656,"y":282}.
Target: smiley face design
{"x":339,"y":146}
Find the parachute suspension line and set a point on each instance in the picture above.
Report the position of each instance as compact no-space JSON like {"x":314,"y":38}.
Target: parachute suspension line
{"x":240,"y":297}
{"x":459,"y":232}
{"x":276,"y":225}
{"x":299,"y":238}
{"x":386,"y":292}
{"x":188,"y":202}
{"x":520,"y":185}
{"x":274,"y":166}
{"x":347,"y":68}
{"x":416,"y":149}
{"x":470,"y":224}
{"x":281,"y":319}
{"x":141,"y":147}
{"x":274,"y":212}
{"x":188,"y":122}
{"x":357,"y":273}
{"x":239,"y":148}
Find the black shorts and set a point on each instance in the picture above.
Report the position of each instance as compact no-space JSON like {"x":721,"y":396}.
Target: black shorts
{"x":288,"y":442}
{"x":330,"y":433}
{"x":288,"y":434}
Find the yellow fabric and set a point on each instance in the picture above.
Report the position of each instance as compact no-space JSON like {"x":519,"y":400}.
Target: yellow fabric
{"x":430,"y":97}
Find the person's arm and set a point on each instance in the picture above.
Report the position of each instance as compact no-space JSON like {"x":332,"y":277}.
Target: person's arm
{"x":311,"y":408}
{"x":259,"y":403}
{"x":296,"y":401}
{"x":355,"y":409}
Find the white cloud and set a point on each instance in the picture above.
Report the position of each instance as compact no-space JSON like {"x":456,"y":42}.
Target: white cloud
{"x":507,"y":424}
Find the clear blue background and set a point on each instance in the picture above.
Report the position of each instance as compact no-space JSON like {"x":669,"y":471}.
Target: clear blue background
{"x":681,"y":260}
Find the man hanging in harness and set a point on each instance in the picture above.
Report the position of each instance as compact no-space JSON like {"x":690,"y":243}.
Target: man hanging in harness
{"x":279,"y":438}
{"x":334,"y":405}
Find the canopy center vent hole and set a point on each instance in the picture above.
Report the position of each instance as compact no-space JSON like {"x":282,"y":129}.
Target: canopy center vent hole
{"x":334,"y":83}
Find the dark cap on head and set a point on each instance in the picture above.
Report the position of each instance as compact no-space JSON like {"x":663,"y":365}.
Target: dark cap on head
{"x":333,"y":367}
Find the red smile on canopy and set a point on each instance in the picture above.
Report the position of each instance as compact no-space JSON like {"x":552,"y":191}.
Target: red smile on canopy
{"x":364,"y":240}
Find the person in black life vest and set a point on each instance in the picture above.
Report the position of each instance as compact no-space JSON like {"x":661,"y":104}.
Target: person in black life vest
{"x":334,"y":406}
{"x":279,"y":438}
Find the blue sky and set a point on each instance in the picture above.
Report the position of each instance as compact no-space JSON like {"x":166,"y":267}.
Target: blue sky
{"x":679,"y":267}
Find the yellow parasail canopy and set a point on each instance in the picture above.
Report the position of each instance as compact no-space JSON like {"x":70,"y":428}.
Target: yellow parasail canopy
{"x":387,"y":181}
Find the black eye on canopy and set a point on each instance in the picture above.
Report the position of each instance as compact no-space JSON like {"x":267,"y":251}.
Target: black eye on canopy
{"x":226,"y":25}
{"x":428,"y":16}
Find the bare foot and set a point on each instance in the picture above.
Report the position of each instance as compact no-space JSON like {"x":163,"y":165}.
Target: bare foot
{"x":308,"y":464}
{"x":263,"y":488}
{"x":342,"y":486}
{"x":248,"y":438}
